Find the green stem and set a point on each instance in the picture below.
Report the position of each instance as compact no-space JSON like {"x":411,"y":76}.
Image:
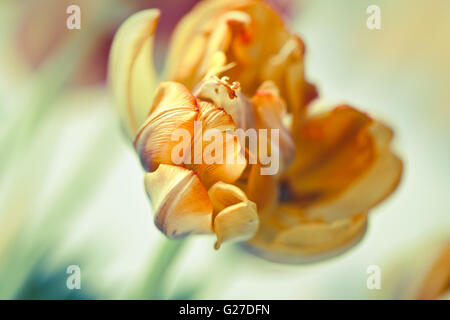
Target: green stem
{"x":151,"y":287}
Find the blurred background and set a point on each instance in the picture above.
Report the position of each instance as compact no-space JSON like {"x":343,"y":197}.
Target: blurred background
{"x":71,"y":187}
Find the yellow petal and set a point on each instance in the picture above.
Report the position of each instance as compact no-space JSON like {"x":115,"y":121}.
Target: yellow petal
{"x":235,"y":216}
{"x":174,"y":108}
{"x":180,"y":202}
{"x":132,"y":77}
{"x":288,"y":236}
{"x":217,"y":168}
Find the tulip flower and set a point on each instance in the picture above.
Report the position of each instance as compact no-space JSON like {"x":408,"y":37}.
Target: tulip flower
{"x":234,"y":65}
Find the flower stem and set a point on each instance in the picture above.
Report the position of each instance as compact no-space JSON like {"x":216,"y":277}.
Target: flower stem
{"x":152,"y":285}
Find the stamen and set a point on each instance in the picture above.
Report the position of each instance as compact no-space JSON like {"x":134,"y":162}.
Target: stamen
{"x":231,"y":88}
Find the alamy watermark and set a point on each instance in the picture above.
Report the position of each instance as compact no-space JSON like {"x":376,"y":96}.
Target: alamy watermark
{"x":213,"y":146}
{"x":374,"y":279}
{"x":74,"y":19}
{"x":74,"y":280}
{"x":374,"y":20}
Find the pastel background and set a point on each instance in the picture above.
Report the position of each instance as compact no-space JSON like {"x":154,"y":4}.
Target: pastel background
{"x":71,"y":187}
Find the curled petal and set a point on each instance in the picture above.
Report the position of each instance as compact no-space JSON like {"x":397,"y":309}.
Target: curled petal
{"x":180,"y":202}
{"x":289,"y":236}
{"x":132,"y":77}
{"x":246,"y":41}
{"x":224,"y":195}
{"x":235,"y":217}
{"x":229,"y":97}
{"x":214,"y":117}
{"x":252,"y":51}
{"x":220,"y":160}
{"x":344,"y":165}
{"x":204,"y":31}
{"x":212,"y":60}
{"x":173,"y":112}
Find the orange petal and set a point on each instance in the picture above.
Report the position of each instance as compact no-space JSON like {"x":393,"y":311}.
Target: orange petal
{"x":378,"y":181}
{"x":174,"y":110}
{"x":204,"y":31}
{"x":286,"y":69}
{"x":363,"y":172}
{"x":228,"y":26}
{"x":252,"y":40}
{"x":344,"y":165}
{"x":265,"y":37}
{"x":289,"y":236}
{"x":270,"y":113}
{"x":325,"y":137}
{"x":262,"y":189}
{"x":235,"y":216}
{"x":132,"y":77}
{"x":216,"y":167}
{"x":180,"y":202}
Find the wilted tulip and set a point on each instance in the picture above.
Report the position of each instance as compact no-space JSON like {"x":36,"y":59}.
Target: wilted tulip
{"x":234,"y":65}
